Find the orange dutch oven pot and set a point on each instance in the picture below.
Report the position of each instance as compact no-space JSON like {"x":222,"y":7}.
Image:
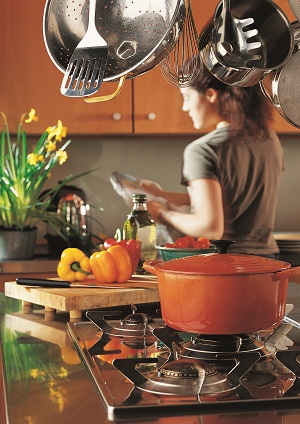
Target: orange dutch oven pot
{"x":222,"y":293}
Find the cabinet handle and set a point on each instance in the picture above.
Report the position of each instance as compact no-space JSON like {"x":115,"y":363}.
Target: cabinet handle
{"x":117,"y":116}
{"x":151,"y":116}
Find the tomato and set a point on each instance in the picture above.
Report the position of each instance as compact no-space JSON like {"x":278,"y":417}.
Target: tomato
{"x":190,"y":240}
{"x":181,"y":243}
{"x":205,"y":243}
{"x":197,"y":245}
{"x":169,"y":245}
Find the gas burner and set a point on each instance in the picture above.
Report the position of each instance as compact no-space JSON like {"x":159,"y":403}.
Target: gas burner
{"x":206,"y":346}
{"x":138,"y":318}
{"x":187,"y":377}
{"x":210,"y":346}
{"x":136,"y":329}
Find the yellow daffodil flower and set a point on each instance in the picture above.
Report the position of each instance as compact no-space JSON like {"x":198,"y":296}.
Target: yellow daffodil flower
{"x":4,"y":118}
{"x":33,"y":159}
{"x":31,"y":116}
{"x":63,"y":373}
{"x":62,"y":156}
{"x":50,"y":146}
{"x":34,"y":373}
{"x":59,"y":132}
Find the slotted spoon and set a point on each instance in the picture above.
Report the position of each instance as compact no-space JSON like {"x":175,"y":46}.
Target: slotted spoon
{"x":232,"y":39}
{"x":85,"y":71}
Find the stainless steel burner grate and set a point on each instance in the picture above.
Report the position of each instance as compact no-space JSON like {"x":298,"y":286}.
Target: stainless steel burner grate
{"x":171,"y":369}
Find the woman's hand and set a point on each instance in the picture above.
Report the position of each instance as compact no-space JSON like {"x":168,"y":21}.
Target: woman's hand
{"x":174,"y":199}
{"x":155,"y":209}
{"x":152,"y":187}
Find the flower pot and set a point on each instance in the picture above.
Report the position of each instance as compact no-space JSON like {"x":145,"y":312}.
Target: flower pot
{"x":16,"y":244}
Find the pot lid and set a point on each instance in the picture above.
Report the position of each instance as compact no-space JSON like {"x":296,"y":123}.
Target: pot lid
{"x":223,"y":264}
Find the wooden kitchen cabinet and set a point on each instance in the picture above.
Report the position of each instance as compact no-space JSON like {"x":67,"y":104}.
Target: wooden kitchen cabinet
{"x":146,"y":105}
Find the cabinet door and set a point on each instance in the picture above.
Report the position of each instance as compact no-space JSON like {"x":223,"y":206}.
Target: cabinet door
{"x":30,"y":79}
{"x":158,"y":104}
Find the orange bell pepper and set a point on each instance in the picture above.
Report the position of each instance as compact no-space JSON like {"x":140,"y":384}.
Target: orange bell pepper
{"x":111,"y":265}
{"x":133,"y":247}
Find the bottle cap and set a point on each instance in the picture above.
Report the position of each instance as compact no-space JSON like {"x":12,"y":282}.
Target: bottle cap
{"x":139,"y":198}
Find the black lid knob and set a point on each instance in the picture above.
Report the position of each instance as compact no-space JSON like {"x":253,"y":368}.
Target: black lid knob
{"x":222,"y":245}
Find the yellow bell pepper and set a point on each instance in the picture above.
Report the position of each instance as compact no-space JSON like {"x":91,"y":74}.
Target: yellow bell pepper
{"x":74,"y":265}
{"x":111,"y":265}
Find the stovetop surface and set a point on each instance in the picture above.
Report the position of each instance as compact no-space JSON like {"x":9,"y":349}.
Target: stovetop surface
{"x":272,"y":382}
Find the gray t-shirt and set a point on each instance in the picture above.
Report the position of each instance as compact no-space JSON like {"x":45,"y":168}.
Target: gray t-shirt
{"x":249,"y":173}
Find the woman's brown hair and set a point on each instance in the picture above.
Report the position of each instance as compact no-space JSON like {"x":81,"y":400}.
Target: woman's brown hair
{"x":246,"y":109}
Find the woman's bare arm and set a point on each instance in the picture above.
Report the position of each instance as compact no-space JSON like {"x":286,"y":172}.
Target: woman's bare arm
{"x":206,"y":217}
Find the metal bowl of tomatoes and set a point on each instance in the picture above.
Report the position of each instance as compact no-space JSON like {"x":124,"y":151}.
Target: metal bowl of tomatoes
{"x":186,"y":246}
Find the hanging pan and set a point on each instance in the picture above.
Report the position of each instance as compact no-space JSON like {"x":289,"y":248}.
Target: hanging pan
{"x":139,"y":33}
{"x":282,"y":86}
{"x":274,"y":33}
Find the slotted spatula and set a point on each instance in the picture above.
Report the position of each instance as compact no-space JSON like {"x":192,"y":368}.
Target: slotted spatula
{"x":232,"y":39}
{"x":85,"y":71}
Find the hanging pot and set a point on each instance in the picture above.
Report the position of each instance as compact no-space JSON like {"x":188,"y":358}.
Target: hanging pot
{"x":139,"y":33}
{"x":282,"y":86}
{"x":274,"y":33}
{"x":222,"y":293}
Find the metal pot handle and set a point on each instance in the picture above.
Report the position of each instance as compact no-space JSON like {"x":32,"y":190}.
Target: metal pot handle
{"x":265,"y":92}
{"x":108,"y":96}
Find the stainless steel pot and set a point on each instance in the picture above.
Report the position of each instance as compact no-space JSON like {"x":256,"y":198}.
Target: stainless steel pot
{"x":274,"y":32}
{"x":139,"y":33}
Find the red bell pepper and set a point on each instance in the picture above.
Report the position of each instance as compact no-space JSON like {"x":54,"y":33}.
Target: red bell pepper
{"x":133,"y":248}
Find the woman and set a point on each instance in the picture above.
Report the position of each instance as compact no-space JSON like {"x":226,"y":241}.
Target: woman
{"x":232,"y":173}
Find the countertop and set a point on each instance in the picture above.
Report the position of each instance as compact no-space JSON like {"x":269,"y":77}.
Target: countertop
{"x":45,"y":381}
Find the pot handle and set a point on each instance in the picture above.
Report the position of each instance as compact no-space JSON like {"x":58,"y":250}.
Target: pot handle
{"x":108,"y":96}
{"x":265,"y":91}
{"x":288,"y":273}
{"x":151,"y":266}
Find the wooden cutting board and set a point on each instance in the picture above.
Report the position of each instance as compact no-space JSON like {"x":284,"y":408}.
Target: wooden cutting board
{"x":138,"y":289}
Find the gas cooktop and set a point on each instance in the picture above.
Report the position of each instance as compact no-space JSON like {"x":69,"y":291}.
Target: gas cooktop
{"x":138,"y":363}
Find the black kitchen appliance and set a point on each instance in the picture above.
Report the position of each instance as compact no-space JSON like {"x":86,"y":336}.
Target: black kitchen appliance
{"x":70,"y":204}
{"x":141,"y":366}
